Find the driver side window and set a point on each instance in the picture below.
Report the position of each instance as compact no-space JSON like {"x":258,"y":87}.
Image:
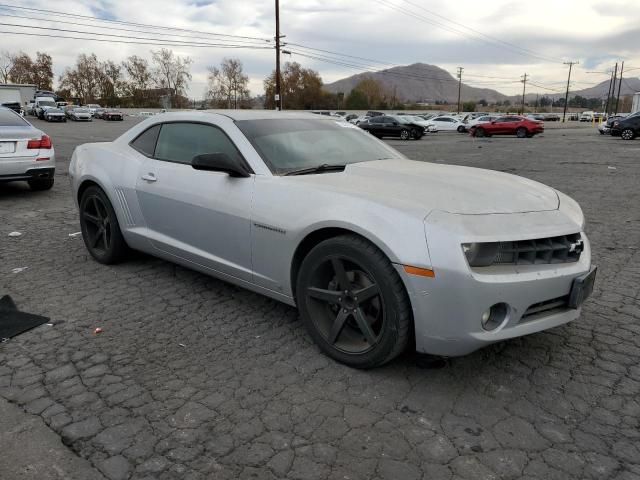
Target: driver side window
{"x":179,"y":142}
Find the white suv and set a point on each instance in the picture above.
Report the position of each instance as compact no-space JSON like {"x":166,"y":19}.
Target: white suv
{"x":26,"y":153}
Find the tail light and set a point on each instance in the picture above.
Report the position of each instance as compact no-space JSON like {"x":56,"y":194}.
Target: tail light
{"x":43,"y":143}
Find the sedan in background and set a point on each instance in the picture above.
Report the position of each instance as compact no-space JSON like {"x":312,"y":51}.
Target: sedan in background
{"x":80,"y":114}
{"x":447,"y":123}
{"x":428,"y":126}
{"x":628,"y":128}
{"x":378,"y":252}
{"x":521,"y":127}
{"x":98,"y":112}
{"x":472,"y":122}
{"x":55,"y":115}
{"x":112,"y":114}
{"x":605,"y":127}
{"x":393,"y":126}
{"x":26,"y":153}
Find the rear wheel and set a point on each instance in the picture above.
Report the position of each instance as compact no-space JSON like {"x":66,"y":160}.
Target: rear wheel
{"x":480,"y":132}
{"x":416,"y":134}
{"x":40,"y":184}
{"x":353,"y":302}
{"x":461,"y":129}
{"x":628,"y":134}
{"x":521,"y":132}
{"x":100,"y":230}
{"x":405,"y":134}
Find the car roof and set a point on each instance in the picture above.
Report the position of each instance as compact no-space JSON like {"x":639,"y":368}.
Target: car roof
{"x":247,"y":115}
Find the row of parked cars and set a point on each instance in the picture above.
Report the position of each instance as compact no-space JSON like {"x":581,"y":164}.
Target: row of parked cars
{"x":47,"y":107}
{"x":625,"y":126}
{"x":478,"y":124}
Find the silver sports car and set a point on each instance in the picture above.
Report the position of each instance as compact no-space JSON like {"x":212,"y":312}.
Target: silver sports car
{"x":377,"y":251}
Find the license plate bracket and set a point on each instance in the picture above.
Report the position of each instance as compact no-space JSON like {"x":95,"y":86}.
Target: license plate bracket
{"x":582,"y":288}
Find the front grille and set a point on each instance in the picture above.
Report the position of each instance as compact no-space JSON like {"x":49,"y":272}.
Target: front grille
{"x":545,"y":308}
{"x":562,"y":249}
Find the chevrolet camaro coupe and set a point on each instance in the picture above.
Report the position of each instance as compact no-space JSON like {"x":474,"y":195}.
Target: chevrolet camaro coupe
{"x":378,"y":252}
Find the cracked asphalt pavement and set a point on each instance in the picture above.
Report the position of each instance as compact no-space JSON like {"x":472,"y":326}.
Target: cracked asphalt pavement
{"x":193,"y":378}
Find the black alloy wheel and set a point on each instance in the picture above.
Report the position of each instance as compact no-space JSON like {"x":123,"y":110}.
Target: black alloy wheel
{"x":416,"y":134}
{"x":100,"y":230}
{"x":404,"y":134}
{"x":628,"y":134}
{"x":353,"y":302}
{"x":521,"y":132}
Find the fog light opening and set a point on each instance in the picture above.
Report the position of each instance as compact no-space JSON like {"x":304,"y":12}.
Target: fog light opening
{"x":494,"y":316}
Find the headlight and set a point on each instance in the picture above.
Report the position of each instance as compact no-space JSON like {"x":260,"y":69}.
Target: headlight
{"x":481,"y":254}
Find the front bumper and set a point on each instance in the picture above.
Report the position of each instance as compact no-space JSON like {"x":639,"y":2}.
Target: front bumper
{"x":448,"y":308}
{"x":55,"y":118}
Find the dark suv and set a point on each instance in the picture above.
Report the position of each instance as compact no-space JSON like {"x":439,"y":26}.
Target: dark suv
{"x":627,"y":128}
{"x":388,"y":126}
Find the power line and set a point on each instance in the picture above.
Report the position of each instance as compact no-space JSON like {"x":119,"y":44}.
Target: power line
{"x":95,"y":19}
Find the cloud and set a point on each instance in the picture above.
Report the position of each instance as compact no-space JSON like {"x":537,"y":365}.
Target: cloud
{"x":508,"y":38}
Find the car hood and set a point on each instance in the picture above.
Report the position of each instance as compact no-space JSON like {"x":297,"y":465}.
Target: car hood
{"x":429,"y":186}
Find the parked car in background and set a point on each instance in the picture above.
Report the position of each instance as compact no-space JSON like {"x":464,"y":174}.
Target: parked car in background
{"x":587,"y":116}
{"x":428,"y":126}
{"x":519,"y":126}
{"x":92,"y":107}
{"x":360,"y":119}
{"x":392,"y":126}
{"x":42,"y":104}
{"x":98,"y":112}
{"x":55,"y":115}
{"x":389,"y":254}
{"x":479,"y":120}
{"x":535,"y":116}
{"x":628,"y":128}
{"x":448,"y":123}
{"x":605,"y":127}
{"x":15,"y":106}
{"x":112,"y":114}
{"x":551,"y":117}
{"x":80,"y":114}
{"x":26,"y":153}
{"x":30,"y":109}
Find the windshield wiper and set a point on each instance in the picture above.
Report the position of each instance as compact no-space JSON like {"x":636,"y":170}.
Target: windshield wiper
{"x":325,"y":167}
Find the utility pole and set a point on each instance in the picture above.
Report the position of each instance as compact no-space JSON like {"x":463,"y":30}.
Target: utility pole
{"x":606,"y":108}
{"x":566,"y":96}
{"x":460,"y":69}
{"x":524,"y":88}
{"x":278,"y":97}
{"x":536,"y":107}
{"x":613,"y":91}
{"x":619,"y":87}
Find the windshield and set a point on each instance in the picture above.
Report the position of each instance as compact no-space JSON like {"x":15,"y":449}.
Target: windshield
{"x":45,"y":103}
{"x":291,"y":144}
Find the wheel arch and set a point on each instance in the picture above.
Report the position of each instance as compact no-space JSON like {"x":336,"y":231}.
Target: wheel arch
{"x":313,"y":238}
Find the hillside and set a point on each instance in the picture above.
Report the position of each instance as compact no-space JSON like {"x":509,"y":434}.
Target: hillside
{"x":419,"y":82}
{"x":629,"y":87}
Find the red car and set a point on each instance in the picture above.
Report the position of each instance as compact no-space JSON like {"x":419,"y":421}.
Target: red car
{"x":508,"y":125}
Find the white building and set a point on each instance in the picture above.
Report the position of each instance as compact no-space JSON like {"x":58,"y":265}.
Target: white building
{"x":13,"y":92}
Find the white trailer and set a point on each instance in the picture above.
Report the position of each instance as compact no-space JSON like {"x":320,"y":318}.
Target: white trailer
{"x":635,"y":105}
{"x":10,"y":92}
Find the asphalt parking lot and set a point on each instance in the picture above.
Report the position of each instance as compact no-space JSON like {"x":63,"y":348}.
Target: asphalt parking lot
{"x":193,"y":378}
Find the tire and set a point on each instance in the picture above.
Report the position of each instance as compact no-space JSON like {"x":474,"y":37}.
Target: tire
{"x":521,"y":132}
{"x":415,"y":134}
{"x":461,"y":129}
{"x":628,"y":134}
{"x":100,"y":230}
{"x":404,"y":134}
{"x":361,"y":333}
{"x":40,"y":184}
{"x":480,"y":132}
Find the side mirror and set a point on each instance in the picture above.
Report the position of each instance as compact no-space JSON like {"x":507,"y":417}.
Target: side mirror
{"x":219,"y":162}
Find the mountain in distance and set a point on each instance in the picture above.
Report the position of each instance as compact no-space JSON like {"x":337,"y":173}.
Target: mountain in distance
{"x":418,"y":82}
{"x":629,"y":87}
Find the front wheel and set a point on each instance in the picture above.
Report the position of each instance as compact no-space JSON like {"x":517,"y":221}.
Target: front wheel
{"x":628,"y":134}
{"x":404,"y":134}
{"x":461,"y":129}
{"x":99,"y":225}
{"x":416,"y":134}
{"x":480,"y":132}
{"x":521,"y":132}
{"x":353,"y":302}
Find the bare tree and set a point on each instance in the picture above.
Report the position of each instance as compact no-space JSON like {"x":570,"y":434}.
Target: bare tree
{"x":43,"y":71}
{"x":21,"y":69}
{"x":227,"y":85}
{"x":84,"y":79}
{"x":6,"y":62}
{"x":171,"y":71}
{"x":138,"y":78}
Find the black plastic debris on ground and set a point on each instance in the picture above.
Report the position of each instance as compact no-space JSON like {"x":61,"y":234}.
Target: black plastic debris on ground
{"x":14,"y":322}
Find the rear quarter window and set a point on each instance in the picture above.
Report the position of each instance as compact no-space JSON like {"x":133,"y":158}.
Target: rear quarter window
{"x":145,"y":143}
{"x":8,"y":118}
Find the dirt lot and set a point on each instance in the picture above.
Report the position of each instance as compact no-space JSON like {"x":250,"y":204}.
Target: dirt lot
{"x":193,"y":378}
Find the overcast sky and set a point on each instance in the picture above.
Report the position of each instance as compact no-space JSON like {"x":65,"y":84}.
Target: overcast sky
{"x":493,"y":38}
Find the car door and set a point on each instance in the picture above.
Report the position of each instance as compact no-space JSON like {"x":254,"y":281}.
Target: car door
{"x":199,"y":216}
{"x":376,"y":126}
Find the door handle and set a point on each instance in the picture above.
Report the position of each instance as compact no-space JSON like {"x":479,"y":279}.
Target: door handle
{"x":149,"y":177}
